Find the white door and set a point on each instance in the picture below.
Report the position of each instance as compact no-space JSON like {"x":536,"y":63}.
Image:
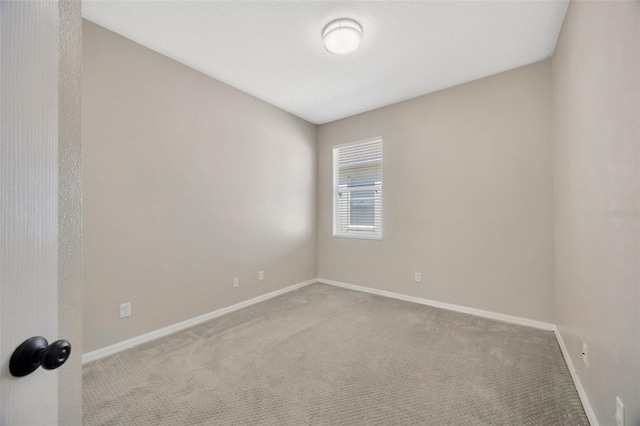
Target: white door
{"x":29,"y":205}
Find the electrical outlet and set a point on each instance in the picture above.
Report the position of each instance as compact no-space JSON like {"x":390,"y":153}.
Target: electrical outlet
{"x":125,"y":310}
{"x":585,"y":355}
{"x":236,"y":282}
{"x":418,"y":277}
{"x":619,"y":412}
{"x":261,"y":275}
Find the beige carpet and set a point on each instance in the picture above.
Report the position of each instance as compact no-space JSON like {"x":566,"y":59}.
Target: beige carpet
{"x":322,"y":355}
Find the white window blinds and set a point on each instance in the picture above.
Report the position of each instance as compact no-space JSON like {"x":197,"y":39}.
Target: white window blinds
{"x":357,"y":190}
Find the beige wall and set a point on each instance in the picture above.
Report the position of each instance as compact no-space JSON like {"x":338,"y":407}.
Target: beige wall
{"x":187,"y":184}
{"x":468,"y":194}
{"x":596,"y":113}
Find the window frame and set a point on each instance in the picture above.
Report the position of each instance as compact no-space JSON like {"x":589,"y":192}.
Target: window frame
{"x":358,"y":231}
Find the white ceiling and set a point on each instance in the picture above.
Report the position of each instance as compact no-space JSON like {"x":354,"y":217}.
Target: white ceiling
{"x":273,"y":49}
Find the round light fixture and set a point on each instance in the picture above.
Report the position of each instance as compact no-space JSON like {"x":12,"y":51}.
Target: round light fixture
{"x":342,"y":36}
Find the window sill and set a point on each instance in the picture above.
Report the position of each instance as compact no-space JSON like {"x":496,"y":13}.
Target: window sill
{"x":358,"y":236}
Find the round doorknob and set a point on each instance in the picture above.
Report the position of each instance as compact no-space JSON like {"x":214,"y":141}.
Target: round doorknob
{"x":55,"y":355}
{"x":36,"y":352}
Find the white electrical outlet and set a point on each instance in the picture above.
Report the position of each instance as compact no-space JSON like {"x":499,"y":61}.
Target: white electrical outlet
{"x":261,"y":275}
{"x":585,"y":355}
{"x":125,"y":310}
{"x":418,"y":277}
{"x":619,"y":412}
{"x":236,"y":282}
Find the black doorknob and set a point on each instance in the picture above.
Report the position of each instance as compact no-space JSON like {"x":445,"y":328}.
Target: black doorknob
{"x":36,"y":352}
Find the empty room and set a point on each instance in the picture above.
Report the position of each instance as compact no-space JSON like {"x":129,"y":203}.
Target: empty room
{"x":320,"y":212}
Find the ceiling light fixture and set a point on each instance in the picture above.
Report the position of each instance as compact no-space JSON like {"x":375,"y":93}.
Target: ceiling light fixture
{"x":342,"y":36}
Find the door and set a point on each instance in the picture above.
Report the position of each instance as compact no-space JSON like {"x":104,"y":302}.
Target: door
{"x":37,"y":243}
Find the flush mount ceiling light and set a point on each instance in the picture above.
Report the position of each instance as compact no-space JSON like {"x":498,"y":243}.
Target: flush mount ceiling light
{"x":342,"y":36}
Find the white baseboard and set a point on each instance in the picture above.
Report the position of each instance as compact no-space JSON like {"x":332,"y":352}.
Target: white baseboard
{"x":451,"y":307}
{"x":110,"y":350}
{"x":591,"y":415}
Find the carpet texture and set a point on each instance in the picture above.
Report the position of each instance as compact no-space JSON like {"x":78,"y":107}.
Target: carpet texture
{"x":323,"y":355}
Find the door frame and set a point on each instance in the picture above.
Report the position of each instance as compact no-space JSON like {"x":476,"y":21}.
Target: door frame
{"x":70,"y":305}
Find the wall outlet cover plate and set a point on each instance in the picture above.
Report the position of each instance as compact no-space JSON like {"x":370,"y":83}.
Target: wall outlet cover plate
{"x":125,"y":310}
{"x":619,"y":412}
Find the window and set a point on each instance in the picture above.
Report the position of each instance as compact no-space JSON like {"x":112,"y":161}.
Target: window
{"x":357,"y":190}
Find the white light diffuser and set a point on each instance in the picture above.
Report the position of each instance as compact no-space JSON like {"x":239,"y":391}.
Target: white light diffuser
{"x":342,"y":36}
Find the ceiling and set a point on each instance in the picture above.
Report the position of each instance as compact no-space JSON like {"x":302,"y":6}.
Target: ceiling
{"x":273,"y":49}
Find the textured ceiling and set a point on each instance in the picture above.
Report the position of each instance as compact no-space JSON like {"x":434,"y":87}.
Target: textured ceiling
{"x":273,"y":49}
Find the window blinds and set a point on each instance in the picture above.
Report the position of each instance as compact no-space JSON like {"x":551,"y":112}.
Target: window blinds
{"x":357,"y":190}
